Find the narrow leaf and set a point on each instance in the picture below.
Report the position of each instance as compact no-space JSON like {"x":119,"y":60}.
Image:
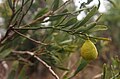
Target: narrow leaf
{"x":10,"y":4}
{"x":98,"y":28}
{"x":81,"y":66}
{"x":90,"y":26}
{"x":55,"y":5}
{"x":101,"y":38}
{"x":41,"y":12}
{"x":80,"y":29}
{"x":89,"y":15}
{"x":56,"y":17}
{"x":5,"y":53}
{"x":71,"y":22}
{"x":86,"y":28}
{"x":104,"y":71}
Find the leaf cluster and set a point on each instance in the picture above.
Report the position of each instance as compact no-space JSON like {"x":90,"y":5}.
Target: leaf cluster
{"x":51,"y":33}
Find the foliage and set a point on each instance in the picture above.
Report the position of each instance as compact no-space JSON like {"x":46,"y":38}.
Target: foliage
{"x":46,"y":33}
{"x":111,"y":70}
{"x":113,"y":21}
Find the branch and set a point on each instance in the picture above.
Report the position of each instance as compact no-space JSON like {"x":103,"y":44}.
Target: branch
{"x":40,"y":60}
{"x":38,"y":42}
{"x":10,"y":25}
{"x":25,"y":13}
{"x":62,"y":6}
{"x":47,"y":14}
{"x":38,"y":19}
{"x":7,"y":33}
{"x":34,"y":21}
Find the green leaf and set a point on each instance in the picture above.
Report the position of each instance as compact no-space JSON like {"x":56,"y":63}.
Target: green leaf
{"x":41,"y":12}
{"x":62,"y":19}
{"x":56,"y":17}
{"x":71,"y":22}
{"x":55,"y":5}
{"x":89,"y":15}
{"x":22,"y":74}
{"x":104,"y":71}
{"x":80,"y":29}
{"x":10,"y":4}
{"x":81,"y":66}
{"x":101,"y":38}
{"x":65,"y":11}
{"x":86,"y":28}
{"x":90,"y":26}
{"x":5,"y":53}
{"x":98,"y":28}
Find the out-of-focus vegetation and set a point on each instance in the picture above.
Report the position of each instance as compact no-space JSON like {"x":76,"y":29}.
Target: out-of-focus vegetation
{"x":111,"y":18}
{"x":44,"y":36}
{"x":111,"y":70}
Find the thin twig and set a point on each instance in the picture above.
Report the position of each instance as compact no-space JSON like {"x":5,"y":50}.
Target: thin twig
{"x":38,"y":42}
{"x":36,"y":28}
{"x":49,"y":67}
{"x":21,"y":7}
{"x":25,"y":13}
{"x":34,"y":21}
{"x":38,"y":19}
{"x":10,"y":25}
{"x":62,"y":6}
{"x":7,"y":33}
{"x":17,"y":13}
{"x":49,"y":27}
{"x":36,"y":57}
{"x":46,"y":15}
{"x":13,"y":15}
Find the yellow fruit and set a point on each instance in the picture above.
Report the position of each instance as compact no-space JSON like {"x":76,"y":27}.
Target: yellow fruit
{"x":89,"y":51}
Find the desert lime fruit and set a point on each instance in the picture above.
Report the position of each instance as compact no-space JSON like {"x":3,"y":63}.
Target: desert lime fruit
{"x":89,"y":51}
